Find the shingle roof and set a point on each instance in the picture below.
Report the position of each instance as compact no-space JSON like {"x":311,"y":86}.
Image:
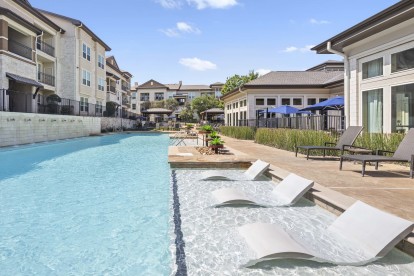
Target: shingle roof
{"x":296,"y":78}
{"x":174,"y":86}
{"x":24,"y":80}
{"x":195,"y":87}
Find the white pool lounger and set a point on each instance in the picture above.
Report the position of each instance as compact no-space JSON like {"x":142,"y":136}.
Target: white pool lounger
{"x":286,"y":193}
{"x":373,"y":232}
{"x":252,"y":173}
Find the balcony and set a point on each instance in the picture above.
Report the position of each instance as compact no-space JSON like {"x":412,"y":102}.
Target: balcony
{"x":20,"y":49}
{"x":144,"y":99}
{"x":46,"y":48}
{"x":125,"y":101}
{"x":46,"y":78}
{"x":111,"y":89}
{"x":124,"y":88}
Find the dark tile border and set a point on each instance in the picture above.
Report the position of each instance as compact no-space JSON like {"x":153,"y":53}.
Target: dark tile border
{"x":179,"y":241}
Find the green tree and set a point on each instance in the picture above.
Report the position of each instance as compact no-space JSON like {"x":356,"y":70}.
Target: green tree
{"x":203,"y":103}
{"x":187,"y":114}
{"x":237,"y":81}
{"x":171,"y":104}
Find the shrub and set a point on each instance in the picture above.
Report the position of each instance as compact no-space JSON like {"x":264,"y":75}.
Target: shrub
{"x":207,"y":128}
{"x":242,"y":133}
{"x":376,"y":141}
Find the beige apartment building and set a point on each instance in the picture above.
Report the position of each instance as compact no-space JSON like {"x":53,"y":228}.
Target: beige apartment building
{"x":295,"y":88}
{"x":118,"y":83}
{"x":379,"y":69}
{"x":29,"y":44}
{"x":82,"y":57}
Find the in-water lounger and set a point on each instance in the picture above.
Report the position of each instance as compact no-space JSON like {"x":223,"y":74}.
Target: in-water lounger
{"x":286,"y":193}
{"x":372,"y":232}
{"x":252,"y":173}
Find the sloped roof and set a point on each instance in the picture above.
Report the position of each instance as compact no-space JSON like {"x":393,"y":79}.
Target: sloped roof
{"x":79,"y":24}
{"x":152,"y":84}
{"x":296,"y":78}
{"x":194,"y":87}
{"x":111,"y":61}
{"x":174,"y":86}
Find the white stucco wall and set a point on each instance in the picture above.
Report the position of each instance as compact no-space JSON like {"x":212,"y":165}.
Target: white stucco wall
{"x":116,"y":123}
{"x":27,"y":128}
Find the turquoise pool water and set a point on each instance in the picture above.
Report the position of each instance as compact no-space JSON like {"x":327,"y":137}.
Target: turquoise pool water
{"x":90,"y":206}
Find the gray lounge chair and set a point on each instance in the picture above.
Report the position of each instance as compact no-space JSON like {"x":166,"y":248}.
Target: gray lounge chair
{"x":371,"y":232}
{"x":252,"y":173}
{"x":286,"y":193}
{"x":404,"y":153}
{"x":347,"y":140}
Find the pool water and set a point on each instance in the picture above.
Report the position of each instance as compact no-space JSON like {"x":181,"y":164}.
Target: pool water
{"x":89,"y":206}
{"x":213,"y":246}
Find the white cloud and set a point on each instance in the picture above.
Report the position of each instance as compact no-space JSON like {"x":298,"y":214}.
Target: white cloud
{"x":181,"y":28}
{"x":214,"y":4}
{"x":197,"y":64}
{"x":169,"y":4}
{"x":304,"y":49}
{"x":262,"y":71}
{"x":318,"y":22}
{"x":199,"y":4}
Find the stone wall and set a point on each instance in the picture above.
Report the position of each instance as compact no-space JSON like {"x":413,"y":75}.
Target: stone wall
{"x":117,"y":123}
{"x":27,"y":128}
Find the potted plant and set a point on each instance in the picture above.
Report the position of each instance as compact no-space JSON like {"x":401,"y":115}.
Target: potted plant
{"x":216,"y":144}
{"x":214,"y":134}
{"x":206,"y":129}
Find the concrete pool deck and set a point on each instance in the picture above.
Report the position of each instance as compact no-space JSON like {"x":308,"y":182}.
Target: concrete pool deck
{"x":389,"y":189}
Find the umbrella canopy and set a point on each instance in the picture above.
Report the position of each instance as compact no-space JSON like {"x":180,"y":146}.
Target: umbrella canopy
{"x":336,"y":103}
{"x":283,"y":109}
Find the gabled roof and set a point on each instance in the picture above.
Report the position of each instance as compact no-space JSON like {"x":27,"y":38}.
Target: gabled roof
{"x":217,"y":84}
{"x":27,"y":6}
{"x":394,"y":15}
{"x":79,"y":24}
{"x":326,"y":65}
{"x":174,"y":86}
{"x":152,"y":84}
{"x":111,"y":62}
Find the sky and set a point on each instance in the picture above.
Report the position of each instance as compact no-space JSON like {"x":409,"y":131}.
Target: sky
{"x":207,"y":41}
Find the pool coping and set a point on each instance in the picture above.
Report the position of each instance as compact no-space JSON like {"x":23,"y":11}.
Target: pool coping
{"x":322,"y":196}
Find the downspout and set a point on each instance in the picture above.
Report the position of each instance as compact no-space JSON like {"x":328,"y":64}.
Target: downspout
{"x":347,"y":82}
{"x":78,"y":63}
{"x":37,"y":67}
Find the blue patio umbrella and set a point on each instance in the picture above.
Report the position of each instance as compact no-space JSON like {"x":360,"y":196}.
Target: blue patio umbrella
{"x":336,"y":103}
{"x":284,"y":109}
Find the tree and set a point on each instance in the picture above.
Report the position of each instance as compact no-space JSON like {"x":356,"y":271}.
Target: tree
{"x":187,"y":114}
{"x":203,"y":103}
{"x":171,"y":104}
{"x":237,"y":81}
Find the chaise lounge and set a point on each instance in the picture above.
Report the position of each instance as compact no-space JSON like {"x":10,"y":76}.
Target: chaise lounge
{"x":346,"y":141}
{"x":286,"y":193}
{"x":371,"y":232}
{"x":404,"y":153}
{"x":252,"y":173}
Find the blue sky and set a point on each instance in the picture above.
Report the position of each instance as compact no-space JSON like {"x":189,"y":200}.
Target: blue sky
{"x":204,"y":41}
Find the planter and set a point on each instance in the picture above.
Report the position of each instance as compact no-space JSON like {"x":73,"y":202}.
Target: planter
{"x":216,"y":147}
{"x":204,"y":132}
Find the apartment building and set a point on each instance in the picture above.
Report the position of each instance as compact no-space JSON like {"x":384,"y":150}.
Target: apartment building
{"x":295,"y":88}
{"x":379,"y":69}
{"x":28,"y":56}
{"x":152,"y":90}
{"x":118,"y":86}
{"x":82,"y":57}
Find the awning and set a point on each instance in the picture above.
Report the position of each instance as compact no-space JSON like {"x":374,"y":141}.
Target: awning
{"x":24,"y":80}
{"x":213,"y":111}
{"x":113,"y":76}
{"x":157,"y":111}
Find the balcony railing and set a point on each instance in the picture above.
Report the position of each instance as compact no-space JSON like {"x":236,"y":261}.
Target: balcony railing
{"x":46,"y":78}
{"x":20,"y":49}
{"x":125,"y":101}
{"x":45,"y":47}
{"x":124,"y":88}
{"x":111,"y":89}
{"x":144,"y":99}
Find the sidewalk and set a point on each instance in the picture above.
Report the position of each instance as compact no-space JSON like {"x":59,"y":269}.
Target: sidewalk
{"x":389,"y":188}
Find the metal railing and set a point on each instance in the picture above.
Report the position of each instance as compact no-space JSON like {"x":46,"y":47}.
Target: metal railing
{"x":124,"y":88}
{"x":17,"y":101}
{"x":111,"y":89}
{"x":45,"y":47}
{"x":46,"y":78}
{"x":314,"y":122}
{"x":20,"y":49}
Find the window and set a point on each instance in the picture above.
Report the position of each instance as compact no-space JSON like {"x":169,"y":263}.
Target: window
{"x":86,"y":52}
{"x":297,"y":101}
{"x":372,"y":68}
{"x":285,"y":101}
{"x":86,"y":78}
{"x":134,"y":106}
{"x":98,"y":107}
{"x":241,"y":103}
{"x":311,"y":101}
{"x":245,"y":103}
{"x":159,"y":96}
{"x":402,"y":61}
{"x":271,"y":101}
{"x":260,"y":102}
{"x":101,"y":84}
{"x":372,"y":110}
{"x":101,"y":62}
{"x":134,"y":95}
{"x":322,"y":99}
{"x":144,"y":97}
{"x":402,"y":108}
{"x":84,"y":104}
{"x":237,"y":105}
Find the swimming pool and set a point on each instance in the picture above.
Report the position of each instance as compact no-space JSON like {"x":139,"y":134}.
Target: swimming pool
{"x":88,"y":206}
{"x":213,"y":246}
